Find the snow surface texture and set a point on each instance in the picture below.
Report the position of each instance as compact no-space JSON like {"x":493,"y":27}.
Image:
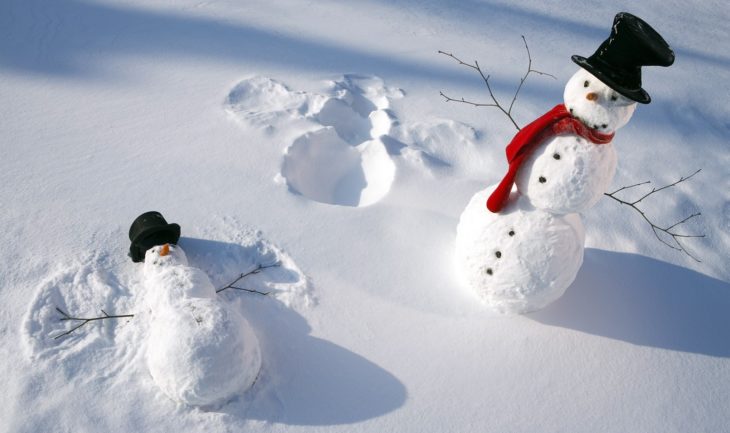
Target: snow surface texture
{"x":520,"y":259}
{"x":345,"y":162}
{"x":202,"y":352}
{"x":112,"y":108}
{"x":346,"y":155}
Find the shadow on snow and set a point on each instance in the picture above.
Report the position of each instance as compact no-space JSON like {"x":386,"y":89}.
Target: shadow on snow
{"x":646,"y":302}
{"x":305,"y":380}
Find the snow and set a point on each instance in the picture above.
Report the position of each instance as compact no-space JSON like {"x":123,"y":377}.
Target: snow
{"x":113,"y":108}
{"x":200,"y":350}
{"x":520,"y":259}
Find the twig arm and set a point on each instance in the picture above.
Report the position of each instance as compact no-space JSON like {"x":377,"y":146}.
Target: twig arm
{"x":84,"y":320}
{"x":495,"y":103}
{"x":476,"y":104}
{"x":259,"y":267}
{"x":524,"y":78}
{"x":656,"y":229}
{"x":65,"y":317}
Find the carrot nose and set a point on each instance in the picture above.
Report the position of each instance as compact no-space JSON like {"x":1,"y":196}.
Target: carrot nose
{"x":591,"y":96}
{"x":165,"y":250}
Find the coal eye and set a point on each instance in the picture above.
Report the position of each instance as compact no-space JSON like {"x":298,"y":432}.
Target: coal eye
{"x":614,"y":98}
{"x":585,"y":83}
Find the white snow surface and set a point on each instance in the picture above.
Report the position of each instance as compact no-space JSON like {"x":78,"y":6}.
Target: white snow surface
{"x":314,"y":135}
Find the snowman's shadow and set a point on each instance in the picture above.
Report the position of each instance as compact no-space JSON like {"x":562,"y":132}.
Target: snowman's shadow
{"x":304,"y":380}
{"x":646,"y":302}
{"x":225,"y":261}
{"x":311,"y":381}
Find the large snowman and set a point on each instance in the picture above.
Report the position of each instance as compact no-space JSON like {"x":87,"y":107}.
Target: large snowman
{"x":200,"y":351}
{"x":524,"y":249}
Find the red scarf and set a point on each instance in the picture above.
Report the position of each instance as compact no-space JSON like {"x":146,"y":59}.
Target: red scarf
{"x":557,"y":121}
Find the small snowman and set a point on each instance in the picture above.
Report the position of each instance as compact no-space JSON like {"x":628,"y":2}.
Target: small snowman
{"x":525,"y":249}
{"x":200,"y":351}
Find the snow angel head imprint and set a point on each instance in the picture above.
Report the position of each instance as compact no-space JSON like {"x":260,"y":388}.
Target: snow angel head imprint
{"x":164,"y":256}
{"x":595,"y":104}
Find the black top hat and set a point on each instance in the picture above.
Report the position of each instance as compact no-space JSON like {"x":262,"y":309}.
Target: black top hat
{"x":148,"y":230}
{"x":618,"y":61}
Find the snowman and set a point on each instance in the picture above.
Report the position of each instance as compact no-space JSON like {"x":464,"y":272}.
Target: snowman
{"x":524,"y":250}
{"x":200,"y":351}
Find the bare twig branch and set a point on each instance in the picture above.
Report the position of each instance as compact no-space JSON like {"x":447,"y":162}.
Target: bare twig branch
{"x":85,"y":320}
{"x":524,"y":78}
{"x":507,"y":112}
{"x":476,"y":104}
{"x":255,"y":270}
{"x":627,"y":187}
{"x":654,"y":227}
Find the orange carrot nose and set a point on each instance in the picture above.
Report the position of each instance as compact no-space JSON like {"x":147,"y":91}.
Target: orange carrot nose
{"x":591,"y":96}
{"x":165,"y":250}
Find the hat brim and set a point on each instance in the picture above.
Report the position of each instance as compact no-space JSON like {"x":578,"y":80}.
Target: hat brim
{"x":640,"y":96}
{"x":169,"y":233}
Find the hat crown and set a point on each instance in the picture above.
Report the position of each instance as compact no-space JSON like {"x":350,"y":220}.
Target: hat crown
{"x":634,"y":43}
{"x":148,"y":230}
{"x":146,"y":221}
{"x":618,"y":60}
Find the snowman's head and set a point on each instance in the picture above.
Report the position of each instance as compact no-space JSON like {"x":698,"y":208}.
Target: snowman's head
{"x":595,"y":104}
{"x":164,"y":256}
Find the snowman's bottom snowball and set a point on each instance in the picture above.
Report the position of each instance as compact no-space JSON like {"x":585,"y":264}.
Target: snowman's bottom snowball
{"x":201,"y":352}
{"x":520,"y":259}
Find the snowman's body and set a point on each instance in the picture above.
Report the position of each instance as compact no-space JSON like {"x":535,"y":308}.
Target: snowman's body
{"x":526,"y":255}
{"x":567,"y":174}
{"x":520,"y":259}
{"x":200,"y":351}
